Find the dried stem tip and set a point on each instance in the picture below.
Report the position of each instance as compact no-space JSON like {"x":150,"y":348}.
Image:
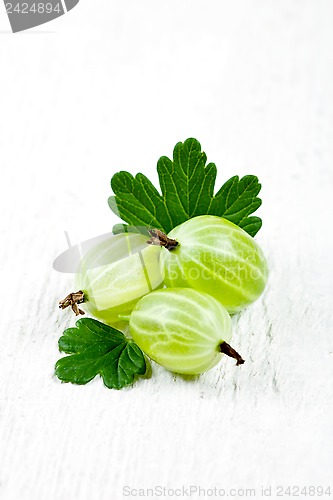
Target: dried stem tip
{"x":72,"y":300}
{"x":229,"y":351}
{"x":160,"y":239}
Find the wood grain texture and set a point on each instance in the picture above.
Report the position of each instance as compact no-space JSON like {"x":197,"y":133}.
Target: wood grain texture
{"x":113,"y":88}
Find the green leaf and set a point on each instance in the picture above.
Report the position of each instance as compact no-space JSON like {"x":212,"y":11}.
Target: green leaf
{"x":187,"y":190}
{"x":97,"y":348}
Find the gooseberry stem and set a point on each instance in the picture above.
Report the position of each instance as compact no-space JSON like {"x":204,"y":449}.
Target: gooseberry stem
{"x":229,"y":351}
{"x":160,"y":239}
{"x":72,"y":300}
{"x":124,"y":317}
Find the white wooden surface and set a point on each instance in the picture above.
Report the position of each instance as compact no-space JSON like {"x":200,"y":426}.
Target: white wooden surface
{"x":113,"y":86}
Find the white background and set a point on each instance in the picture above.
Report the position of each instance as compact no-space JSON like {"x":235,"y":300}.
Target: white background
{"x":114,"y":85}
